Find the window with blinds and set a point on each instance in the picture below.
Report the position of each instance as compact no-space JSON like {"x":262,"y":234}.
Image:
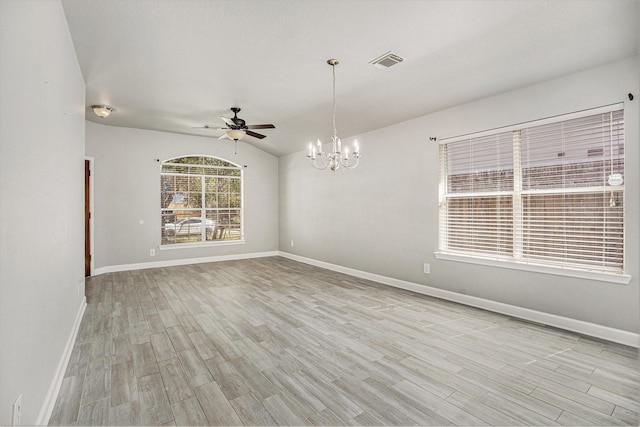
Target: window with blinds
{"x":200,"y":200}
{"x":550,"y":192}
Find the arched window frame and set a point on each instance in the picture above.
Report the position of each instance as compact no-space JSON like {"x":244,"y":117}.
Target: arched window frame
{"x":201,"y":189}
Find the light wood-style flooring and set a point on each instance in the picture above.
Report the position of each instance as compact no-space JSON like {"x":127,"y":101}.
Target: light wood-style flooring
{"x":271,"y":341}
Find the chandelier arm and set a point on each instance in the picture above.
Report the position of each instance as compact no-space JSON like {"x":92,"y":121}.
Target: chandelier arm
{"x":349,"y":163}
{"x":314,"y":163}
{"x":325,"y":158}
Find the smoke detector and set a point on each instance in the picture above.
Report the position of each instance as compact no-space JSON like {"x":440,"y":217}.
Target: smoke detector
{"x":387,"y":60}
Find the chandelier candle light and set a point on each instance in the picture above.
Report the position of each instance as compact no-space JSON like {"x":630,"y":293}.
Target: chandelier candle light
{"x":336,"y":158}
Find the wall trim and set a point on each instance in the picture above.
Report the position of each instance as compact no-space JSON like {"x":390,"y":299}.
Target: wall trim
{"x":52,"y":394}
{"x":594,"y":330}
{"x":185,"y":261}
{"x":620,"y":279}
{"x":92,"y":209}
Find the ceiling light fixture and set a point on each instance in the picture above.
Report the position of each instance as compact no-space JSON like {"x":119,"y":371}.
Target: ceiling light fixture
{"x":336,"y":158}
{"x":102,"y":111}
{"x":235,"y":134}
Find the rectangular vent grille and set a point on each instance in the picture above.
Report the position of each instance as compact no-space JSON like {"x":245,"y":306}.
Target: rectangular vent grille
{"x":387,"y":60}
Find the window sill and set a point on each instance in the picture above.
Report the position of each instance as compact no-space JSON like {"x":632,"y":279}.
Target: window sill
{"x":201,"y":244}
{"x":622,"y":279}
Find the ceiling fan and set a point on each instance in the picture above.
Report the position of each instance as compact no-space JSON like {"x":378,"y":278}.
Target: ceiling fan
{"x":236,"y":128}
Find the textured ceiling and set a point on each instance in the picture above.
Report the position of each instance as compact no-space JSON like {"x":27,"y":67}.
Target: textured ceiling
{"x":170,"y":65}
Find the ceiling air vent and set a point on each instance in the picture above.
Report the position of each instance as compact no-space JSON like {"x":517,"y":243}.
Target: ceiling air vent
{"x":387,"y":60}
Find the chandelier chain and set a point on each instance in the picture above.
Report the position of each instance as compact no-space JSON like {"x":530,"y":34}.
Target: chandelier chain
{"x":335,"y":130}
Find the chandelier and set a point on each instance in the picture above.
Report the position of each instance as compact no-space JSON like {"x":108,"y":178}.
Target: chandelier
{"x":336,"y":158}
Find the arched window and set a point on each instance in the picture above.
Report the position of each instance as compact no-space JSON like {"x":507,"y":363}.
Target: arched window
{"x":200,"y":201}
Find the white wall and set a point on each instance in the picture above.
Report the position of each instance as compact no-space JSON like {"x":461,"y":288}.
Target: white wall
{"x":41,"y":200}
{"x":127,"y":191}
{"x":382,"y":217}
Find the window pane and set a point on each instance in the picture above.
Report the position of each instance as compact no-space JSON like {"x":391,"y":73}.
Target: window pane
{"x":480,"y":224}
{"x":209,"y":171}
{"x":228,"y":172}
{"x":196,"y":170}
{"x":211,"y":184}
{"x":481,"y":164}
{"x":223,"y":200}
{"x":576,"y":153}
{"x":167,"y":168}
{"x":181,"y":226}
{"x":234,"y":200}
{"x":212,"y":161}
{"x":227,"y":224}
{"x":235,"y":186}
{"x":166,"y":190}
{"x":191,"y":160}
{"x":211,"y":200}
{"x":172,"y":191}
{"x":223,"y":185}
{"x":578,"y":229}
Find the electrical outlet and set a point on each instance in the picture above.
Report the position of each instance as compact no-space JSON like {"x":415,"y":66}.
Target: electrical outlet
{"x":427,"y":268}
{"x":17,"y":411}
{"x":292,"y":243}
{"x":152,"y":252}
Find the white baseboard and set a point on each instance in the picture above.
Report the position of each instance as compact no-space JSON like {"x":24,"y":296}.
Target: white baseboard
{"x":52,"y":394}
{"x":186,"y":261}
{"x":573,"y":325}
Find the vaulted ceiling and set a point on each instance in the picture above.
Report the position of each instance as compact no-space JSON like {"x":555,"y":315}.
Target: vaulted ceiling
{"x":170,"y":65}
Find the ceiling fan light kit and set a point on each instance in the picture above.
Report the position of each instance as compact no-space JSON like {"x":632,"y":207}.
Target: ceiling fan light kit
{"x":102,"y":111}
{"x":236,"y":128}
{"x":235,"y":134}
{"x":336,"y":158}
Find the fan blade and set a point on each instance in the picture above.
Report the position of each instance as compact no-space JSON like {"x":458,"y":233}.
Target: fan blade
{"x":228,"y":121}
{"x":261,"y":126}
{"x":255,"y":135}
{"x":208,"y":127}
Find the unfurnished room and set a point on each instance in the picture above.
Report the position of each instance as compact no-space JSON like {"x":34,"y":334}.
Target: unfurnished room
{"x":319,"y":212}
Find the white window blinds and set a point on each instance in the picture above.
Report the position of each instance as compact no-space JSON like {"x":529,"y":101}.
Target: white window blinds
{"x":480,"y":188}
{"x":549,"y":192}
